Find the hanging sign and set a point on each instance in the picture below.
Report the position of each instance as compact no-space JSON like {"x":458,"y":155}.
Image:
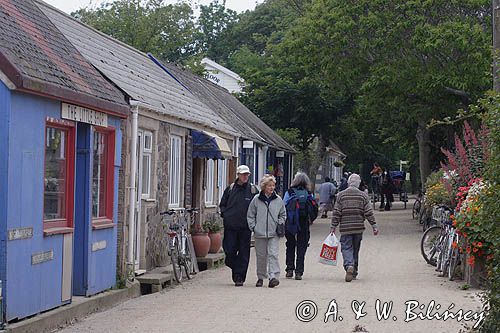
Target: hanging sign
{"x":84,"y":115}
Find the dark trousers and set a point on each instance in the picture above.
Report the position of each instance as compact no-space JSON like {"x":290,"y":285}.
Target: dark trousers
{"x":350,"y":245}
{"x":388,"y":199}
{"x":236,"y":246}
{"x":298,"y":242}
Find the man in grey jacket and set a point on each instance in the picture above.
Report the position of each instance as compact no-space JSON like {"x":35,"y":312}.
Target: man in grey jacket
{"x":351,"y":209}
{"x":265,"y":212}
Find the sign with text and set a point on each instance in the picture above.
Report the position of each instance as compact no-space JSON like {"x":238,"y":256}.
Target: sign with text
{"x":38,"y":258}
{"x":84,"y":115}
{"x":20,"y":233}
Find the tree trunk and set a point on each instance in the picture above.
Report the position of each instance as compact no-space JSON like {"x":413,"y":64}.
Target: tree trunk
{"x":424,"y":150}
{"x":317,"y":157}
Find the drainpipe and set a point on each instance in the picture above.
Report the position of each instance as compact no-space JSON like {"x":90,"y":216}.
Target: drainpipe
{"x":132,"y":188}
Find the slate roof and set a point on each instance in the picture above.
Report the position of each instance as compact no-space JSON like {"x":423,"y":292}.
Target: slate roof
{"x":37,"y":58}
{"x":198,"y":86}
{"x":135,"y":73}
{"x":230,"y":108}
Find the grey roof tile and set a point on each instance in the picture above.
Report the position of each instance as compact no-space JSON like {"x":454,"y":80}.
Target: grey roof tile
{"x":135,"y":73}
{"x":36,"y":57}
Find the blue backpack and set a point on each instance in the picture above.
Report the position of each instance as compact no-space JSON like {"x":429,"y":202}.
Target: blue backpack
{"x":300,"y":204}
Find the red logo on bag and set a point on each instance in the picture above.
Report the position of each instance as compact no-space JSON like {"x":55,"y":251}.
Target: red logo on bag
{"x":329,"y":252}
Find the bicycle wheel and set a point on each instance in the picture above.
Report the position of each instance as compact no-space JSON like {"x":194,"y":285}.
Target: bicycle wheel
{"x":176,"y":266}
{"x":453,"y":263}
{"x":416,"y":209}
{"x":430,"y":245}
{"x":187,"y":263}
{"x":445,"y":261}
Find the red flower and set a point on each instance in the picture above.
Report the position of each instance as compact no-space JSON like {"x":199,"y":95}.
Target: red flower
{"x":470,"y":261}
{"x":479,"y":244}
{"x":475,"y":250}
{"x":468,"y":249}
{"x":467,"y":224}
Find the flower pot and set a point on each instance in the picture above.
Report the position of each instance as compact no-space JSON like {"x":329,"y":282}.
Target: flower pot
{"x":215,"y":242}
{"x":201,"y":243}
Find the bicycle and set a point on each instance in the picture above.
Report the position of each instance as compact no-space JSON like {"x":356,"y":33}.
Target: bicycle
{"x":178,"y":248}
{"x":417,"y":205}
{"x":432,"y":240}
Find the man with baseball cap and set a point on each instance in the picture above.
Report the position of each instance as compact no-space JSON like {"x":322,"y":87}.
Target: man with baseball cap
{"x":233,"y":206}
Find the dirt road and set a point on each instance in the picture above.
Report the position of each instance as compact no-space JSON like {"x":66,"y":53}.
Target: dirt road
{"x":391,"y":269}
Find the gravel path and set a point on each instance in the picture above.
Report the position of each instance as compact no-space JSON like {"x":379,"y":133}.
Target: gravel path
{"x":391,"y":269}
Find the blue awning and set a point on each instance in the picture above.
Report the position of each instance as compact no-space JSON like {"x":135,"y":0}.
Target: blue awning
{"x":209,"y":145}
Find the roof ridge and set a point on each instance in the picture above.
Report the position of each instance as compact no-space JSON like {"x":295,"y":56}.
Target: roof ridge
{"x":43,"y":3}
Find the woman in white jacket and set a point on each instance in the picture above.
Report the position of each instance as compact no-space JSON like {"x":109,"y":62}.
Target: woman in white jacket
{"x":265,"y":212}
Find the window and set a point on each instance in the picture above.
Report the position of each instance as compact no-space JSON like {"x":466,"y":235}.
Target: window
{"x":221,"y":177}
{"x":59,"y":174}
{"x":103,"y":150}
{"x":147,"y":152}
{"x":210,"y":183}
{"x":175,"y":171}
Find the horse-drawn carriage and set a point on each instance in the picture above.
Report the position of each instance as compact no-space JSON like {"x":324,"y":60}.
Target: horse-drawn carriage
{"x":397,"y":179}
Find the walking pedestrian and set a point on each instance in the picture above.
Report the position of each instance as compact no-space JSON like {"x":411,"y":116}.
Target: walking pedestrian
{"x":297,"y":236}
{"x":351,"y":209}
{"x":265,"y":213}
{"x":233,"y":206}
{"x":326,"y":197}
{"x":343,"y":181}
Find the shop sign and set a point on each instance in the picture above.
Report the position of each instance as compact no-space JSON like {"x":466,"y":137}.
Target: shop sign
{"x":280,"y":153}
{"x":84,"y":115}
{"x":247,"y":144}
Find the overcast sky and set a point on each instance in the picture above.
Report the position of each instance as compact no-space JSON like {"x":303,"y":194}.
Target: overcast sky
{"x":69,"y":6}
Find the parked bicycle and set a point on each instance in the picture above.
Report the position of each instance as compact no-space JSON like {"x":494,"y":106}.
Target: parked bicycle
{"x":417,"y":205}
{"x":178,"y":247}
{"x":440,"y":244}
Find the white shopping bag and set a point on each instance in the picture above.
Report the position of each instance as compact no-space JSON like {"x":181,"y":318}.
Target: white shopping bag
{"x":328,"y":254}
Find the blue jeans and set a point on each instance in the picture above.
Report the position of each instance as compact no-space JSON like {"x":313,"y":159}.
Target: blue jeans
{"x":349,"y":245}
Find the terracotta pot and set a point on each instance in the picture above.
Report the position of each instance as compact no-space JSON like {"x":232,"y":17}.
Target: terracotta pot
{"x":201,"y":243}
{"x":215,"y":242}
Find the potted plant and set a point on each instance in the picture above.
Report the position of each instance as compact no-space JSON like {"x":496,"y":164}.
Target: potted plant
{"x":213,"y":228}
{"x":201,"y":241}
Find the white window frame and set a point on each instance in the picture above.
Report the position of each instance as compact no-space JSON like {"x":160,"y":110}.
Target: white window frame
{"x":175,"y":165}
{"x":146,"y":153}
{"x":210,"y":183}
{"x":221,"y":177}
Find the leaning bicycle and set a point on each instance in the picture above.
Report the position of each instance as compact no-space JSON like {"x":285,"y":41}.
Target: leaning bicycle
{"x":178,"y":247}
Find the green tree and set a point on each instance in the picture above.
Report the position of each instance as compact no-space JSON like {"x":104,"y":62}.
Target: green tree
{"x":214,"y":22}
{"x":167,"y":31}
{"x":399,"y":64}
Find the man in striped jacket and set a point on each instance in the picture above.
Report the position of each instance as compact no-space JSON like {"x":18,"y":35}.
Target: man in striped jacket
{"x":350,"y":211}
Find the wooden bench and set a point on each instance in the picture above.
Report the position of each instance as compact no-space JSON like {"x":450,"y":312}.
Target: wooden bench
{"x":211,"y":260}
{"x":154,"y":282}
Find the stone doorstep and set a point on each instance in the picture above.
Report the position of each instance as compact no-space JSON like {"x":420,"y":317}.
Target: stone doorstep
{"x":154,"y":278}
{"x":79,"y":309}
{"x":212,"y":260}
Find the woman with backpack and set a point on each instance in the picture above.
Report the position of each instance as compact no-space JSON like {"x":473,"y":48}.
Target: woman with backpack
{"x":265,"y":213}
{"x":301,"y":210}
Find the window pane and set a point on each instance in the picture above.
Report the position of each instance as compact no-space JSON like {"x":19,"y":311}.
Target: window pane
{"x":99,"y":175}
{"x":55,"y":174}
{"x":147,"y":141}
{"x":146,"y":165}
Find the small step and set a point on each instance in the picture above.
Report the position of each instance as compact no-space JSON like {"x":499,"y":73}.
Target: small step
{"x":154,"y":282}
{"x":211,"y":260}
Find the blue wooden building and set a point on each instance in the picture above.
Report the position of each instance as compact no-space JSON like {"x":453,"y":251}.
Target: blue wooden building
{"x":60,"y":152}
